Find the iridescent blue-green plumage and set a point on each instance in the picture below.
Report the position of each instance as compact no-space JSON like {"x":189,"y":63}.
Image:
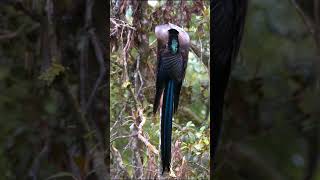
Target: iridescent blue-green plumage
{"x":172,"y":61}
{"x":174,"y":46}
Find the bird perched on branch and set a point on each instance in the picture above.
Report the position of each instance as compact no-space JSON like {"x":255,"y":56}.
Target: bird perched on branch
{"x":172,"y":59}
{"x":227,"y":29}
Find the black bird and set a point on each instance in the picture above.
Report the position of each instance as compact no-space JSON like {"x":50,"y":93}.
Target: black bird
{"x":172,"y":59}
{"x":227,"y":28}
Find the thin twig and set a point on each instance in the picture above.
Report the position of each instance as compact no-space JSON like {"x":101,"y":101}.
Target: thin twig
{"x":120,"y":137}
{"x":36,"y":162}
{"x":140,"y":78}
{"x":119,"y":117}
{"x":83,"y":70}
{"x":125,"y":56}
{"x":14,"y":34}
{"x":141,"y":167}
{"x":202,"y":57}
{"x":100,"y":59}
{"x":148,"y":144}
{"x":121,"y":23}
{"x":305,"y":19}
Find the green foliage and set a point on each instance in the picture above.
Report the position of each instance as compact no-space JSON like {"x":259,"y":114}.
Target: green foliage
{"x":195,"y":145}
{"x":40,"y":127}
{"x":52,"y":72}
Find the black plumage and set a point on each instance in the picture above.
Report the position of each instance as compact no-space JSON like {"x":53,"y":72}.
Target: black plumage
{"x":227,"y":29}
{"x":172,"y":58}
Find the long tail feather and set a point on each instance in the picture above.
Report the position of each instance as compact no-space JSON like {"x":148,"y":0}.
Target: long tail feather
{"x":166,"y":125}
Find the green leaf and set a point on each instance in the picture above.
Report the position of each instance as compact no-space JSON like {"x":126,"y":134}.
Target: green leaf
{"x":198,"y":146}
{"x":52,"y":72}
{"x":206,"y":141}
{"x":126,"y":84}
{"x":198,"y":134}
{"x":191,"y":136}
{"x":189,"y":124}
{"x":134,"y":52}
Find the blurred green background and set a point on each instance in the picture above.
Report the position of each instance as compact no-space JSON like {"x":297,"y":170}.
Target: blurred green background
{"x":50,"y":125}
{"x":272,"y":110}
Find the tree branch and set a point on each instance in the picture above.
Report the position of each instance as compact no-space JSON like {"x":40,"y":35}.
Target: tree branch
{"x":100,"y":59}
{"x":122,"y":172}
{"x":197,"y":51}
